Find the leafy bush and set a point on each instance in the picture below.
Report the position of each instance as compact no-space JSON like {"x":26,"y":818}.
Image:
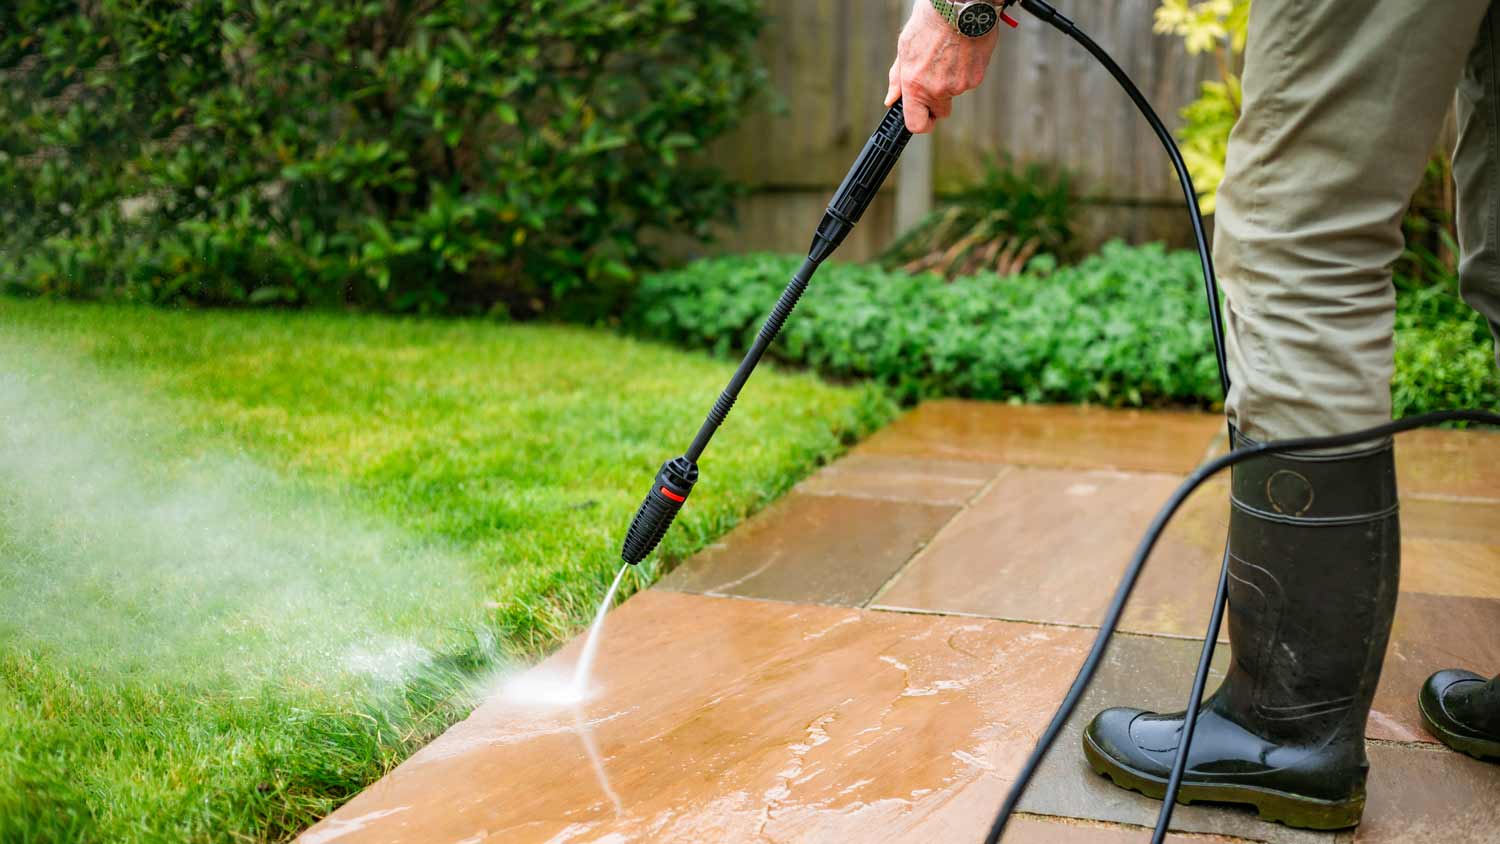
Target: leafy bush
{"x":1444,"y":353}
{"x":998,"y":224}
{"x":1219,"y":27}
{"x":1126,"y":327}
{"x":435,"y":155}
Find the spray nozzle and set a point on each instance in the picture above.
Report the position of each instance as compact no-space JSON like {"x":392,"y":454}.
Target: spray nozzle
{"x":673,"y":484}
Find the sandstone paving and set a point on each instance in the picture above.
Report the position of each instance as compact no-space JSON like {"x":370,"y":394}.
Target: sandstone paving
{"x":872,"y":657}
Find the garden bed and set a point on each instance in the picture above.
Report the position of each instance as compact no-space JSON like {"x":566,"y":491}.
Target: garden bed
{"x":1127,"y":327}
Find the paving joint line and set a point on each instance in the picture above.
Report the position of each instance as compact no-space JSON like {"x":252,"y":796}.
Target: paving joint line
{"x":1096,"y":823}
{"x":890,"y":499}
{"x":1053,"y":466}
{"x":885,"y":585}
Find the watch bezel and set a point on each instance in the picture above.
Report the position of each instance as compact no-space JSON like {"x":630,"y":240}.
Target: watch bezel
{"x":958,"y":17}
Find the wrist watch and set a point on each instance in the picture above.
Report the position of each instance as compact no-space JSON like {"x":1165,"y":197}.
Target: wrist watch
{"x":974,"y":18}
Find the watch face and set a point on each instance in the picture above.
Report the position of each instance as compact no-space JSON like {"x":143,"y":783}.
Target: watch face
{"x":977,"y":19}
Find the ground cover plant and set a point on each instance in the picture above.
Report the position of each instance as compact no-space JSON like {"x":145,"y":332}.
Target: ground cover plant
{"x":1007,"y":216}
{"x":434,"y":156}
{"x":1125,"y":327}
{"x":249,"y":561}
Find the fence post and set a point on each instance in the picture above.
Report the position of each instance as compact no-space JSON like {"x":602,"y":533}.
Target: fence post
{"x":914,"y":184}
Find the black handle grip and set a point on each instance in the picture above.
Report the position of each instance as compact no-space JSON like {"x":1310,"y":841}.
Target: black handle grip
{"x":669,"y":491}
{"x":862,"y":183}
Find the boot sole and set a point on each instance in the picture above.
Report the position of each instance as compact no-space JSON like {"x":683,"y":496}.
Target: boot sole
{"x":1278,"y":806}
{"x":1481,"y":749}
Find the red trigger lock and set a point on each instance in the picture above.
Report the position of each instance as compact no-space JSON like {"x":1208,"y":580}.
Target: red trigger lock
{"x":1009,"y":20}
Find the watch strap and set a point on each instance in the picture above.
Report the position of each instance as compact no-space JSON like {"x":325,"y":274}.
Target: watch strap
{"x":948,"y":9}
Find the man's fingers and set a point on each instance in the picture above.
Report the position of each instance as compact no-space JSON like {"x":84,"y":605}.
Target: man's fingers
{"x":918,"y":119}
{"x":893,"y":86}
{"x":941,"y":108}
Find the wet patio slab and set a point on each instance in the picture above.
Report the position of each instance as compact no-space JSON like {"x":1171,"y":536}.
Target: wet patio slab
{"x":816,"y":549}
{"x":734,"y":720}
{"x":902,"y":479}
{"x":1418,"y":792}
{"x":1066,"y":437}
{"x":871,"y":658}
{"x":1449,"y":464}
{"x":1047,"y":545}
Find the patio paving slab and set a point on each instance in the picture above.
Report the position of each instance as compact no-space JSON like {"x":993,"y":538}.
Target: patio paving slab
{"x":902,"y":479}
{"x":1155,"y":673}
{"x":1048,"y":545}
{"x":1032,"y":829}
{"x":1429,"y":794}
{"x":1067,"y":535}
{"x":1416,"y":792}
{"x":988,"y":538}
{"x":1451,"y":547}
{"x":814,"y":549}
{"x":732,"y":720}
{"x":1431,"y":632}
{"x":1449,"y":463}
{"x":1069,"y":437}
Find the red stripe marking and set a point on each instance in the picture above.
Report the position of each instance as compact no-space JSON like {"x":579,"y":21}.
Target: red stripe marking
{"x":672,"y":495}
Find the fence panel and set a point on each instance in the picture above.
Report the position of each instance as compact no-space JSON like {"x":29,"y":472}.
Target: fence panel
{"x":1044,"y":99}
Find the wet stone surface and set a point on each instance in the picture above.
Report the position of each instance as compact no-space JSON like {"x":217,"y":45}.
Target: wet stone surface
{"x":1429,"y":794}
{"x":1151,"y":673}
{"x":814,"y":549}
{"x":1067,"y":437}
{"x":1048,"y":545}
{"x":1449,"y":463}
{"x":1450,"y":547}
{"x":902,"y":479}
{"x":989,"y":539}
{"x":1431,"y":632}
{"x":733,"y":720}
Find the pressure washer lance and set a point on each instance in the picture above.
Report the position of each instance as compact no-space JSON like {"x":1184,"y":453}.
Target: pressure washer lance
{"x":674,"y":483}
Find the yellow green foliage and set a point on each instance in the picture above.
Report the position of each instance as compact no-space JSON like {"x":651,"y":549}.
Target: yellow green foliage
{"x":1218,"y":27}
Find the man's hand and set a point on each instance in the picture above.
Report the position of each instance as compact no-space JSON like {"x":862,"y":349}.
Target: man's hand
{"x":934,"y":64}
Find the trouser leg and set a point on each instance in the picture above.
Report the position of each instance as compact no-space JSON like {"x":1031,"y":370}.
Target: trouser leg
{"x":1344,"y":100}
{"x":1343,"y":104}
{"x":1476,"y":169}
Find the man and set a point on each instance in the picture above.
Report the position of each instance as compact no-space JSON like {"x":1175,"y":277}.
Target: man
{"x":1343,"y":103}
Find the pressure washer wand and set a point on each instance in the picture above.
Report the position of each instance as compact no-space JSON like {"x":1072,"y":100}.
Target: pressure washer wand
{"x":674,"y":482}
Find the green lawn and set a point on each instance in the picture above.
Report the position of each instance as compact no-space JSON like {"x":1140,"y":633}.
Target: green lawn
{"x":248,"y":561}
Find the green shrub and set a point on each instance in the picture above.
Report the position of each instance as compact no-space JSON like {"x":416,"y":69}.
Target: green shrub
{"x":998,"y":224}
{"x":443,"y":155}
{"x":1126,"y":327}
{"x":1444,"y":353}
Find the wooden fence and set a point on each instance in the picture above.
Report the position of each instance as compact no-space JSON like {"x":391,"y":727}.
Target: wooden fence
{"x":1044,"y":99}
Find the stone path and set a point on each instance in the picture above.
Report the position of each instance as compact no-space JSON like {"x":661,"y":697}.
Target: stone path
{"x":871,"y":658}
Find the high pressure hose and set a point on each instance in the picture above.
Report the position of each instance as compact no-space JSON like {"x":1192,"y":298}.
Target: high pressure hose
{"x":1107,"y":627}
{"x":1047,"y":14}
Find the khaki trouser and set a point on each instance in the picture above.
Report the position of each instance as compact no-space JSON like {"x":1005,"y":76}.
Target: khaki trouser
{"x":1344,"y":103}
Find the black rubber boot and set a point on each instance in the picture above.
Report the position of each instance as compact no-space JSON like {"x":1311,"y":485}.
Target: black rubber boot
{"x":1314,"y":564}
{"x":1462,"y":710}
